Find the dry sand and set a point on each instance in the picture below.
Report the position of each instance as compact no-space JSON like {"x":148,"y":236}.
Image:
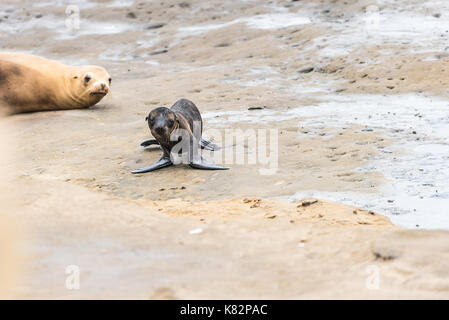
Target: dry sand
{"x":182,"y":233}
{"x":10,"y":234}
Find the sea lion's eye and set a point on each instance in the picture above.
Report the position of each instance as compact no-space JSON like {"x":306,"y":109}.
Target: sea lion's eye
{"x":171,"y":123}
{"x":110,"y":80}
{"x":87,"y":78}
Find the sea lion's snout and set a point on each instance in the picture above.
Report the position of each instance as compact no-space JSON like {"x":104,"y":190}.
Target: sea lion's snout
{"x":100,"y":88}
{"x":160,"y":126}
{"x":160,"y":130}
{"x":96,"y":82}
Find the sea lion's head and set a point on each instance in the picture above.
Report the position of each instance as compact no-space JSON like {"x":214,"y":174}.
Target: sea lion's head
{"x":162,"y":121}
{"x":89,"y":84}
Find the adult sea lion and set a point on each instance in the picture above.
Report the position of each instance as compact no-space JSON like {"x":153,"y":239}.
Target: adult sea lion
{"x":176,"y":130}
{"x":30,"y":83}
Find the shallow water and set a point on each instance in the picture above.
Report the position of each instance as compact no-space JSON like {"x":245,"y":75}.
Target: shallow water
{"x":120,"y":4}
{"x":387,"y":26}
{"x":415,"y":165}
{"x":82,"y":4}
{"x":65,"y":25}
{"x":89,"y":27}
{"x":262,"y":21}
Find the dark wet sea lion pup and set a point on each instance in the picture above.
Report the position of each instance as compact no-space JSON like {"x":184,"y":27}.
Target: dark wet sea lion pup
{"x":176,"y":130}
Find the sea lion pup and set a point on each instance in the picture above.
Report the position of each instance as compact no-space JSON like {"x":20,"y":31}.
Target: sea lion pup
{"x":178,"y":129}
{"x":30,"y":83}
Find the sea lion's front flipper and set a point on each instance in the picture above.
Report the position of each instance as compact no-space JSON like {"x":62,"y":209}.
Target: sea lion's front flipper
{"x":206,"y":165}
{"x":205,"y":144}
{"x":161,"y":163}
{"x":147,"y":143}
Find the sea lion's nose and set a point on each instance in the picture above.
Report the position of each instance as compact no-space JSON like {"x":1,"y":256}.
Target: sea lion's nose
{"x":160,"y":130}
{"x":105,"y":87}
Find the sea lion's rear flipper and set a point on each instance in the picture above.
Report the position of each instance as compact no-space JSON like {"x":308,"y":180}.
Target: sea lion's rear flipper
{"x":161,"y":163}
{"x":206,"y":165}
{"x":147,"y":143}
{"x":205,"y":144}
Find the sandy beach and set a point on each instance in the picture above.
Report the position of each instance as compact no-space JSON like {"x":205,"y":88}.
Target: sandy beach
{"x":351,"y":205}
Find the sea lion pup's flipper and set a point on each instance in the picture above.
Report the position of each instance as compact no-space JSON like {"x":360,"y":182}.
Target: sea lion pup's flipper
{"x":205,"y":144}
{"x":163,"y":162}
{"x":195,"y":159}
{"x":206,"y":165}
{"x":147,"y":143}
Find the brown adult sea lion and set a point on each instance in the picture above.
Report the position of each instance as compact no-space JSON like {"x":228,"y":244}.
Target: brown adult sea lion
{"x":30,"y":83}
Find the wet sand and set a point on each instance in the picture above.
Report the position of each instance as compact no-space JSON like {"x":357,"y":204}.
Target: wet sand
{"x":301,"y":63}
